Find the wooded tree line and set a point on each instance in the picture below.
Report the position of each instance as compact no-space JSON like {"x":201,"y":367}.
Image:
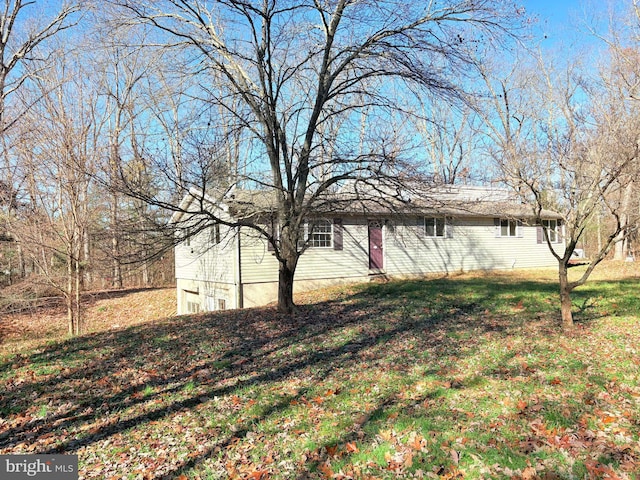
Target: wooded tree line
{"x":111,"y":112}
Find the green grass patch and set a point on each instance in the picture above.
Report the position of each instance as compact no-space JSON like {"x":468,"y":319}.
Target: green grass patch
{"x":466,"y":377}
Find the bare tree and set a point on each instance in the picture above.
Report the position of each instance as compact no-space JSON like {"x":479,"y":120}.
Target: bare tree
{"x":59,"y":150}
{"x":565,"y":144}
{"x":452,"y":142}
{"x":25,"y":29}
{"x":285,"y":71}
{"x":620,"y":78}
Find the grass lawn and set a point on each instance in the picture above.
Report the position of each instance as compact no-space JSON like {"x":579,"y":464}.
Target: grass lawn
{"x":466,"y":377}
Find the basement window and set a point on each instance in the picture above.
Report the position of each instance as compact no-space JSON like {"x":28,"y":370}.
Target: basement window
{"x":193,"y":307}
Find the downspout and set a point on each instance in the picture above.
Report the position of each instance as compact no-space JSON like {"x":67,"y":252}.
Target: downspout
{"x":239,"y":293}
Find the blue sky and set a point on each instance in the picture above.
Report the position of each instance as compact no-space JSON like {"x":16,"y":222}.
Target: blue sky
{"x":563,"y":21}
{"x":556,"y":12}
{"x":562,"y":30}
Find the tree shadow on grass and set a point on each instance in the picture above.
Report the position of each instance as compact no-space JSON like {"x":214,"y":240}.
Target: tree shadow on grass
{"x":248,"y":360}
{"x":106,"y":384}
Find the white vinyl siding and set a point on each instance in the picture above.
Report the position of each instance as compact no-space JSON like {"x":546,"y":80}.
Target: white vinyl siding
{"x":204,"y":260}
{"x":473,"y":246}
{"x":469,"y":243}
{"x":260,"y":265}
{"x":207,"y":265}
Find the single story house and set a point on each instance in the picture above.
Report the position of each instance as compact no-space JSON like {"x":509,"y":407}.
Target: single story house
{"x":450,"y":230}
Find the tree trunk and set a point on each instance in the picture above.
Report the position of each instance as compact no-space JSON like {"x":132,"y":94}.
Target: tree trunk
{"x":565,"y":298}
{"x":599,"y":232}
{"x":86,"y":256}
{"x":288,"y":262}
{"x":116,"y":281}
{"x":22,"y":265}
{"x":77,"y":296}
{"x":146,"y":278}
{"x":69,"y":296}
{"x":285,"y":289}
{"x":620,"y":250}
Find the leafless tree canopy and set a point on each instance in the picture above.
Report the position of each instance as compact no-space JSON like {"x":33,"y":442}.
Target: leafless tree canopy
{"x":565,"y":137}
{"x":301,"y":97}
{"x":112,"y":113}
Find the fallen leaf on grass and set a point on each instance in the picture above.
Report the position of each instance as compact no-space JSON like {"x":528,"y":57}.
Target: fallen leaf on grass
{"x":418,"y":442}
{"x":325,"y":469}
{"x":332,"y":450}
{"x":259,"y":475}
{"x":529,"y":473}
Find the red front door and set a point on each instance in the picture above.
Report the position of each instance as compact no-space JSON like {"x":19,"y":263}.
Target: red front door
{"x":376,"y":257}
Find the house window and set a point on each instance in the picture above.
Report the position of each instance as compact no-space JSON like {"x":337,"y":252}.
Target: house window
{"x":215,"y":234}
{"x":321,"y":233}
{"x":434,"y":226}
{"x":193,"y":307}
{"x":508,"y":228}
{"x":551,"y":227}
{"x":222,"y":304}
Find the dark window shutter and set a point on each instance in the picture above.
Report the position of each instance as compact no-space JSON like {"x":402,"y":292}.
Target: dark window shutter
{"x":448,"y":227}
{"x":337,"y":234}
{"x":539,"y":234}
{"x":272,"y":232}
{"x":304,"y":237}
{"x":519,"y":229}
{"x":496,"y":223}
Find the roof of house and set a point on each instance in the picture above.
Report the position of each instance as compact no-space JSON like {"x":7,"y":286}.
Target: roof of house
{"x":450,"y":200}
{"x":456,"y":201}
